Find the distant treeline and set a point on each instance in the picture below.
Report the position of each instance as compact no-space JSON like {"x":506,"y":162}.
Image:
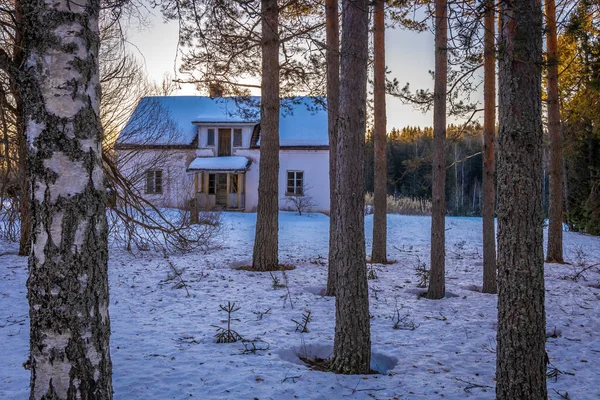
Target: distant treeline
{"x":409,"y":156}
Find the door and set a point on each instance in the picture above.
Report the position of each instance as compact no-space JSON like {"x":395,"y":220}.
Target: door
{"x":222,"y":189}
{"x":224,"y":142}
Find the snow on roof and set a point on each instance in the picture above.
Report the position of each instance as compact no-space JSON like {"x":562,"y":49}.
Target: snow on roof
{"x":171,"y":120}
{"x":303,"y":123}
{"x":231,"y":163}
{"x":168,"y":120}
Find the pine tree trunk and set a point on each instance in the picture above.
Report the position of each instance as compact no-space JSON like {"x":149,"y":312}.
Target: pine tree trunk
{"x":24,"y":184}
{"x":379,"y":249}
{"x":68,"y":278}
{"x":555,"y":240}
{"x":521,"y":365}
{"x":265,"y":255}
{"x":437,"y":284}
{"x":352,"y":342}
{"x":332,"y":27}
{"x":489,"y":139}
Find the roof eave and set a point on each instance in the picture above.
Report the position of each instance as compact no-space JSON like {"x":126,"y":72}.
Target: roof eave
{"x":217,"y":123}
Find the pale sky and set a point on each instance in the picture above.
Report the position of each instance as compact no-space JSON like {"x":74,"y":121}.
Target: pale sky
{"x":409,"y":56}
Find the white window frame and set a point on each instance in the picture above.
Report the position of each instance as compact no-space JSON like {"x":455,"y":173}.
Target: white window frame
{"x":152,"y":177}
{"x":233,"y":132}
{"x":214,"y":136}
{"x":297,"y":188}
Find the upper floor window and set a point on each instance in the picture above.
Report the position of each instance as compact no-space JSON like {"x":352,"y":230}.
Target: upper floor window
{"x":237,"y":137}
{"x":154,"y":181}
{"x":210,"y":138}
{"x":295,"y":183}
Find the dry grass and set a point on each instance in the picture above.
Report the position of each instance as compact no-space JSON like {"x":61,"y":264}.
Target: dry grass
{"x":401,"y":205}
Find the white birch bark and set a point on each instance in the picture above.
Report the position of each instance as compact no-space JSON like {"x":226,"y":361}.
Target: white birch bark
{"x":68,"y":281}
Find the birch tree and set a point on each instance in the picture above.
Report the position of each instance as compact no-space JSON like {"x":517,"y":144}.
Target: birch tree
{"x":521,"y":356}
{"x":352,"y":341}
{"x":68,"y":282}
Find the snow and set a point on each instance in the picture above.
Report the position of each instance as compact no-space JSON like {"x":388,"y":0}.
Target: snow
{"x":302,"y":121}
{"x":230,"y":163}
{"x":182,"y":112}
{"x":304,"y":124}
{"x":227,"y":110}
{"x":163,"y":344}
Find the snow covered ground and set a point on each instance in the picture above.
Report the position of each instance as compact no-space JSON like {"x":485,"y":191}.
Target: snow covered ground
{"x":163,"y":343}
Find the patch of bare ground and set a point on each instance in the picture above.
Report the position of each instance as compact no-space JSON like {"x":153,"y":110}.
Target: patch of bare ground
{"x":280,"y":267}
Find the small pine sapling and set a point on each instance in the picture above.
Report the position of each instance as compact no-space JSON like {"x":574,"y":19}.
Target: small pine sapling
{"x":371,"y":273}
{"x":302,"y":326}
{"x":422,"y":273}
{"x":260,"y":314}
{"x":403,"y":322}
{"x":283,"y":284}
{"x":279,"y":284}
{"x":176,"y":274}
{"x":227,"y":335}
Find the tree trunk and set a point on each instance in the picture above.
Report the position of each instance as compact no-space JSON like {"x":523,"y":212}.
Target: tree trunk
{"x":352,"y":342}
{"x":489,"y":139}
{"x":332,"y":27}
{"x":379,"y":249}
{"x":555,"y":240}
{"x":265,"y":255}
{"x":24,"y":184}
{"x":521,"y":360}
{"x":68,"y":278}
{"x":437,"y":284}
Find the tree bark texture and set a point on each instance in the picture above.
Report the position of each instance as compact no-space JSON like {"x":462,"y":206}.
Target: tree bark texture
{"x":68,"y":278}
{"x":489,"y":139}
{"x":352,"y":342}
{"x":379,"y":249}
{"x":332,"y":28}
{"x":437,"y":284}
{"x":521,"y":365}
{"x":266,"y":241}
{"x":555,"y":239}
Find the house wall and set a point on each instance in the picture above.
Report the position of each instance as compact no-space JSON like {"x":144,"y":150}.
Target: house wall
{"x":178,"y":185}
{"x":314,"y":163}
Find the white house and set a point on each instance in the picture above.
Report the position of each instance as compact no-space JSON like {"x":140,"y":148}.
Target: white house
{"x":179,"y":148}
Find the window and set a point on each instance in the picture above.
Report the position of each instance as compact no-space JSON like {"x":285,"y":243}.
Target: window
{"x":210,"y":138}
{"x":295,"y":183}
{"x":154,"y":181}
{"x":212,"y":184}
{"x":237,"y":137}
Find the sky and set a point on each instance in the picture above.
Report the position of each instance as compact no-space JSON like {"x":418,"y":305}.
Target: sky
{"x":409,"y":57}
